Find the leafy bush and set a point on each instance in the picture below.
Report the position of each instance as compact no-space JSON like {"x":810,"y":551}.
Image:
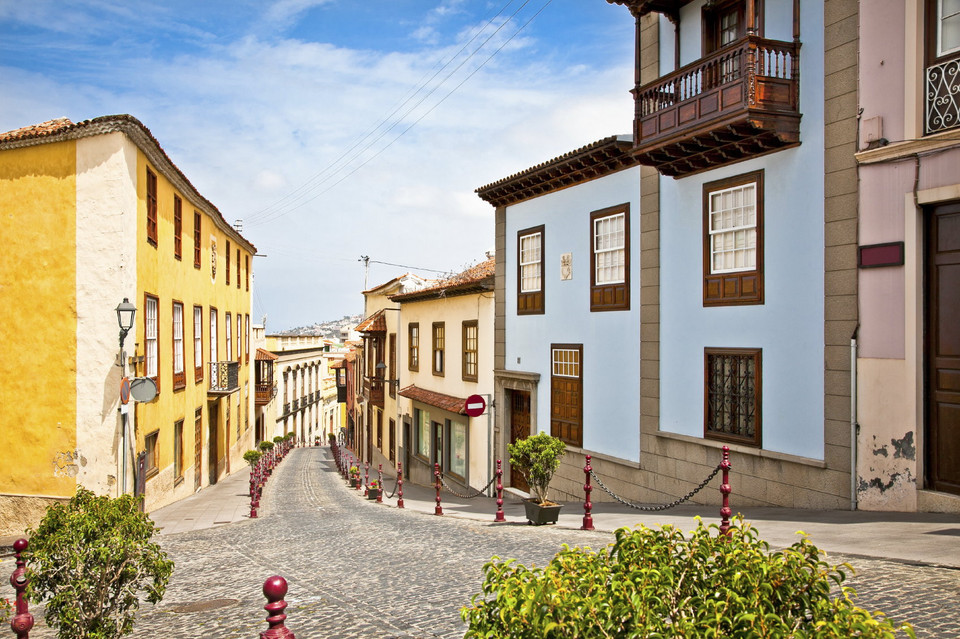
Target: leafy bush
{"x":90,"y":559}
{"x":6,"y":610}
{"x":657,"y":583}
{"x":277,"y":439}
{"x":265,"y":446}
{"x":537,"y":457}
{"x":252,"y":457}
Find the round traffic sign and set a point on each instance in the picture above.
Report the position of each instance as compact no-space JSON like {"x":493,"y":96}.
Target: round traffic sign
{"x":475,"y":405}
{"x":124,"y":390}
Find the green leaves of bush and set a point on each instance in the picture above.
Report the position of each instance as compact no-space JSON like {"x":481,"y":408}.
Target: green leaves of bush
{"x":90,"y":559}
{"x":659,"y":583}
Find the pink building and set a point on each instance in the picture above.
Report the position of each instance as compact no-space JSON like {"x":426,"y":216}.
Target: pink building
{"x":908,"y":342}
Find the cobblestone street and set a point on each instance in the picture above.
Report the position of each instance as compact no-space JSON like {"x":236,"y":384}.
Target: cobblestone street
{"x":358,"y":569}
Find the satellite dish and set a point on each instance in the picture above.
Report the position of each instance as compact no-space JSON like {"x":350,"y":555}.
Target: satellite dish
{"x":143,"y":389}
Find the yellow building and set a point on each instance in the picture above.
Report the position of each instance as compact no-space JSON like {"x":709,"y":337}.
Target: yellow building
{"x":93,"y":213}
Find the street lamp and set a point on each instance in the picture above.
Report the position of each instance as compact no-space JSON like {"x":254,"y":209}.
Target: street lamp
{"x":381,"y":373}
{"x":125,"y":314}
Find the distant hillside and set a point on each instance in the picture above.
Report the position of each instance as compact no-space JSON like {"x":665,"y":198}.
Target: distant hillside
{"x":333,"y":329}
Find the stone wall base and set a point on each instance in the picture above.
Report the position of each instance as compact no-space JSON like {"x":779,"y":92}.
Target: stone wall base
{"x":18,"y":513}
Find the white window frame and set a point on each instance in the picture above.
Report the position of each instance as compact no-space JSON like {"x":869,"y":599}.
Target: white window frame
{"x":531,"y":257}
{"x":604,"y":247}
{"x":151,"y":341}
{"x":178,"y":338}
{"x":214,"y":347}
{"x":940,"y":19}
{"x":739,"y":227}
{"x":228,"y":336}
{"x":565,"y":366}
{"x":198,"y":337}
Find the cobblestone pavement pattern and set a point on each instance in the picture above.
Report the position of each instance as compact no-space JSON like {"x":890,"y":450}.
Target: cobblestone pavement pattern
{"x":357,"y":569}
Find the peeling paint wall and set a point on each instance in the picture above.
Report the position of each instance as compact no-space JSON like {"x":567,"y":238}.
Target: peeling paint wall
{"x":887,"y":462}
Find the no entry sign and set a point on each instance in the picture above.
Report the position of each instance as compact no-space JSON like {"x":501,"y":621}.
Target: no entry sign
{"x":475,"y":405}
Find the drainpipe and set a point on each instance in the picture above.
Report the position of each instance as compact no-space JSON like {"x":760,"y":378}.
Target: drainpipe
{"x":854,"y":426}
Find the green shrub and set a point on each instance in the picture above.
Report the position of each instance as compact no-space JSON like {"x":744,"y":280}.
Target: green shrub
{"x":537,"y":457}
{"x":658,"y":583}
{"x":91,"y":559}
{"x":277,"y":439}
{"x":252,"y":457}
{"x":265,"y":446}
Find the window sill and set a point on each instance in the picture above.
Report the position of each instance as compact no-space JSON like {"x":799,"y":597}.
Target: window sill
{"x":178,"y":481}
{"x":152,"y":472}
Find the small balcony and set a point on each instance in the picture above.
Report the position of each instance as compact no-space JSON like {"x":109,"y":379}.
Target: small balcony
{"x":373,"y":391}
{"x":296,"y":405}
{"x":224,"y":378}
{"x":942,"y":93}
{"x":738,"y":102}
{"x":265,"y":393}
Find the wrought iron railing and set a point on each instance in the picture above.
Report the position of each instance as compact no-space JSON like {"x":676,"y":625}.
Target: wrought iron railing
{"x":224,"y":377}
{"x":942,"y":97}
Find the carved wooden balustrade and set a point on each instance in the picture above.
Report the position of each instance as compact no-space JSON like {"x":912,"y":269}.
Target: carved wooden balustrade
{"x":738,"y":102}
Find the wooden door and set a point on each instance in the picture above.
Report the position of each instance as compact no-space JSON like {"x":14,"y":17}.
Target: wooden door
{"x":213,"y":442}
{"x":943,"y":348}
{"x":197,"y":447}
{"x":392,"y":443}
{"x":519,"y":428}
{"x":566,"y":393}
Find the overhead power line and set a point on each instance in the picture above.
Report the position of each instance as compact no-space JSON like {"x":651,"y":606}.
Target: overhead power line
{"x":268,"y":215}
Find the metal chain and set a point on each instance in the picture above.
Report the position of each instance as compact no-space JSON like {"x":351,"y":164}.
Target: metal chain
{"x":395,"y":486}
{"x":661,"y":506}
{"x":455,"y":493}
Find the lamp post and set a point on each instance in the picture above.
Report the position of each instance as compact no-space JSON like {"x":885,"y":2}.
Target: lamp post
{"x":125,"y":315}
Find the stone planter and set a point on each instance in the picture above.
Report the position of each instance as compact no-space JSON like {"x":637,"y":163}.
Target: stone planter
{"x":539,"y":515}
{"x":354,"y":482}
{"x":372,"y":493}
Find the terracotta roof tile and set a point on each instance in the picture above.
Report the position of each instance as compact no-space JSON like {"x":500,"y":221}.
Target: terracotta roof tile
{"x":49,"y":127}
{"x":473,"y":280}
{"x":376,"y":323}
{"x":265,"y":356}
{"x":431,"y":398}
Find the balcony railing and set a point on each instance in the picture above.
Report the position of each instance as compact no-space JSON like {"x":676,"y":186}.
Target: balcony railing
{"x":224,"y":378}
{"x":296,"y":405}
{"x":942,"y":97}
{"x":286,"y":408}
{"x":739,"y":101}
{"x":265,"y":392}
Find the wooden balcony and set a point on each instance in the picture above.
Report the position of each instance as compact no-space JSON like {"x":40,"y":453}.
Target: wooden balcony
{"x":373,"y":391}
{"x":738,"y":102}
{"x":265,"y":392}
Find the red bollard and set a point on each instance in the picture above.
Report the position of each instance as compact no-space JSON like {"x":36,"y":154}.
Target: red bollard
{"x":366,"y":477}
{"x":400,"y":484}
{"x":499,"y":518}
{"x":22,"y":621}
{"x":587,"y":506}
{"x":275,"y":589}
{"x":380,"y":484}
{"x":725,"y":490}
{"x":436,"y":473}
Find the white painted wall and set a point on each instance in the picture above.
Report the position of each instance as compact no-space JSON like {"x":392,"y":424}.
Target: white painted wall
{"x":106,"y":273}
{"x":611,"y":340}
{"x":789,"y":325}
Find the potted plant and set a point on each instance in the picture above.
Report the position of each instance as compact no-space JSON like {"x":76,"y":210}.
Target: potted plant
{"x":373,"y":490}
{"x":537,"y":457}
{"x":354,"y":476}
{"x":252,"y":457}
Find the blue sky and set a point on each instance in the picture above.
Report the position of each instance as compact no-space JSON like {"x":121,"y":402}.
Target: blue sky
{"x":333,"y":128}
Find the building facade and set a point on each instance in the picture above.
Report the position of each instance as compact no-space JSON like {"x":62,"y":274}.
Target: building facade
{"x":567,"y":313}
{"x":908,"y":347}
{"x":98,"y":213}
{"x":444,"y":357}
